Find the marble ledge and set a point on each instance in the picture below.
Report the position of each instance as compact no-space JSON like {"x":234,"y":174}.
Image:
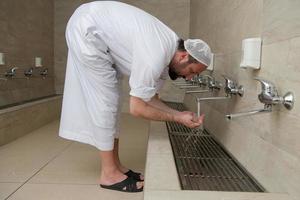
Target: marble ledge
{"x":29,"y":104}
{"x":161,"y":178}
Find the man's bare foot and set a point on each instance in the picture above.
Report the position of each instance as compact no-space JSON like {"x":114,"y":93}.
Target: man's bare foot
{"x":113,"y":177}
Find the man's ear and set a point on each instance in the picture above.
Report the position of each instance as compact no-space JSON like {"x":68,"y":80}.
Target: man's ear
{"x":184,"y":56}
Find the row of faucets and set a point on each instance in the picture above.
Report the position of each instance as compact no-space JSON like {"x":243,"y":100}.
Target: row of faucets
{"x":28,"y":73}
{"x":231,"y":87}
{"x":269,"y":95}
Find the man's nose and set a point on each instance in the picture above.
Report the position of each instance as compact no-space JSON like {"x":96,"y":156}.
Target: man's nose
{"x":189,"y":77}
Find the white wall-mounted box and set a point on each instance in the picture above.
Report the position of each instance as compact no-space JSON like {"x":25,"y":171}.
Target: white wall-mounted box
{"x":251,"y":53}
{"x":2,"y":59}
{"x":38,"y":62}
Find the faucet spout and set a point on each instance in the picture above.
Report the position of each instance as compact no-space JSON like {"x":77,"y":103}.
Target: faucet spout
{"x":189,"y":86}
{"x":213,"y":98}
{"x":266,"y":109}
{"x":197,"y":91}
{"x":183,"y":84}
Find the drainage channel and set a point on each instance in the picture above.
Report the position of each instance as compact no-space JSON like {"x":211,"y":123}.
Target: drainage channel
{"x":204,"y":164}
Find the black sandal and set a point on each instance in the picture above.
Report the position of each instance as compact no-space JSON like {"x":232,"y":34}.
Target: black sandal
{"x":129,"y":184}
{"x":134,"y":175}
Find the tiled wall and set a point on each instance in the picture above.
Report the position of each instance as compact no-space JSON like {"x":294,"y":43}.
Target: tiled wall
{"x":268,"y":145}
{"x":174,"y":13}
{"x":26,"y":31}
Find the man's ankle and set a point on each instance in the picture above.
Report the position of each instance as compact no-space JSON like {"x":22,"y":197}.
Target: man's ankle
{"x":111,"y":171}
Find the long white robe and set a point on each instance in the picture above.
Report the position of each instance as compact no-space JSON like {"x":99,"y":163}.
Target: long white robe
{"x":106,"y":39}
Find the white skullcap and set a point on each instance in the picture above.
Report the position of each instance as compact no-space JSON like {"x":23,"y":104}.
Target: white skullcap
{"x":199,"y":50}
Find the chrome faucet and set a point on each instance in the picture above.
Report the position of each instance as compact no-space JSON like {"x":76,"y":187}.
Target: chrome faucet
{"x":28,"y":72}
{"x":44,"y":73}
{"x":232,"y":87}
{"x":202,"y":81}
{"x":11,"y":73}
{"x":186,"y":82}
{"x":269,"y":97}
{"x":193,"y":83}
{"x":212,"y":83}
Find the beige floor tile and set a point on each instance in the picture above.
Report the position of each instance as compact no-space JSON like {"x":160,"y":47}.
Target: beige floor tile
{"x":63,"y":169}
{"x":23,"y":157}
{"x":7,"y":188}
{"x":80,"y":163}
{"x":70,"y":192}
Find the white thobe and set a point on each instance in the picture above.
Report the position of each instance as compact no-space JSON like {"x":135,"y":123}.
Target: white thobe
{"x":106,"y":39}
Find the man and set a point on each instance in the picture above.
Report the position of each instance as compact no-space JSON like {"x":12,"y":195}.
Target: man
{"x":106,"y":39}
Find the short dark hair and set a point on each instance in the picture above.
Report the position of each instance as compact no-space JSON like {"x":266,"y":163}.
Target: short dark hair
{"x":180,"y":47}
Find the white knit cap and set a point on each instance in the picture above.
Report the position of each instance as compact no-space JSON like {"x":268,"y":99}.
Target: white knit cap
{"x":199,"y":50}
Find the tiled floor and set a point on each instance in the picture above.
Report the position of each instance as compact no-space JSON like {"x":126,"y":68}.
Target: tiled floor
{"x":43,"y":166}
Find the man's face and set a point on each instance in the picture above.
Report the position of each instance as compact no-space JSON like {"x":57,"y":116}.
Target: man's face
{"x":185,"y":70}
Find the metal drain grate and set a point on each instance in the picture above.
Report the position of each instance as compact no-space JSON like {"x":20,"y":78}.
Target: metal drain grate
{"x":176,"y":106}
{"x":203,"y":164}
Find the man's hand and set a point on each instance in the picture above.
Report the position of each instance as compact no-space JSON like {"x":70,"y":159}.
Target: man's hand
{"x":156,"y":110}
{"x":189,"y":119}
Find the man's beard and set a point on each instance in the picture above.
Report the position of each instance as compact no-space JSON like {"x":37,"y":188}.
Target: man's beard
{"x":173,"y":73}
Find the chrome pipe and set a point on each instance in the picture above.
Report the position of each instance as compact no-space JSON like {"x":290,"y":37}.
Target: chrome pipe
{"x":197,"y":91}
{"x":198,"y":108}
{"x":253,"y":112}
{"x":185,"y":84}
{"x":182,"y":83}
{"x":213,"y":98}
{"x":189,"y":86}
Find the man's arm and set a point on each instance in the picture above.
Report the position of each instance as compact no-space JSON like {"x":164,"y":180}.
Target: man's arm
{"x":157,"y":110}
{"x":140,"y":108}
{"x":157,"y":103}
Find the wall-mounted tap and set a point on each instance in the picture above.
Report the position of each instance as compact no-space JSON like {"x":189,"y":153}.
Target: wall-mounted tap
{"x":232,"y":88}
{"x":185,"y":82}
{"x":11,"y":72}
{"x":196,"y":82}
{"x":269,"y":97}
{"x":44,"y":73}
{"x":201,"y":80}
{"x":192,"y":82}
{"x":212,"y":83}
{"x":28,"y":72}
